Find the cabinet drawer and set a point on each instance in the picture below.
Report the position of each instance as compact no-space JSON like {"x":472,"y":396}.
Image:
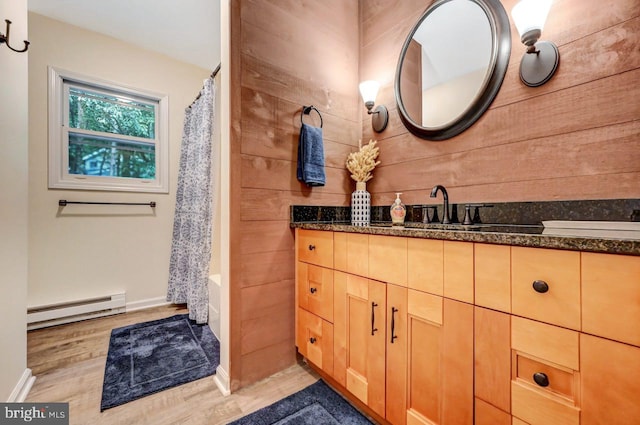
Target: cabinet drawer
{"x":315,"y":290}
{"x":545,"y":285}
{"x":549,"y":343}
{"x":314,"y":339}
{"x":316,"y":247}
{"x":538,"y":408}
{"x":545,"y":379}
{"x":560,"y":381}
{"x":611,"y":296}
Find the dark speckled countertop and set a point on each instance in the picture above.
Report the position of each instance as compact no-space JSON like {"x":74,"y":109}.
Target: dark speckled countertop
{"x":531,"y":236}
{"x":528,"y":232}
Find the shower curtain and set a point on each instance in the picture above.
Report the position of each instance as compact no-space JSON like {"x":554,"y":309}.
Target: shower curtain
{"x":191,"y":245}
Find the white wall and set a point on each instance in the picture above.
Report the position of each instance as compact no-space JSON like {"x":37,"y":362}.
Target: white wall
{"x":13,"y":205}
{"x":85,"y":251}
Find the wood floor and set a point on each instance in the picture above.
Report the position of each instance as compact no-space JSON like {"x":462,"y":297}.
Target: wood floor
{"x":68,"y":362}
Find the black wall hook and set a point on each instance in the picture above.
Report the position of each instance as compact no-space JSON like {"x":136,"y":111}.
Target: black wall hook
{"x":306,"y":110}
{"x":4,"y":38}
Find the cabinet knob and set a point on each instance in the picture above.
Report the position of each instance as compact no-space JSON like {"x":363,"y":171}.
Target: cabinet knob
{"x":312,"y":340}
{"x":541,"y":379}
{"x":312,"y":247}
{"x":313,"y":290}
{"x":540,"y":286}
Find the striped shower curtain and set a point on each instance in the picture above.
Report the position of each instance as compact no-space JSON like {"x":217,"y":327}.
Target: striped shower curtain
{"x":191,"y":245}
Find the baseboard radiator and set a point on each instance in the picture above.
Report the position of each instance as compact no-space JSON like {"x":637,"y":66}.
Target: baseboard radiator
{"x":74,"y":311}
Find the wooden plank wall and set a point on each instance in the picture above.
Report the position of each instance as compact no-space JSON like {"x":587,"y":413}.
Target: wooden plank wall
{"x":284,"y":54}
{"x":577,"y":137}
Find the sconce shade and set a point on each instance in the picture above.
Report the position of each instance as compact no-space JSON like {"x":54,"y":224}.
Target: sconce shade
{"x":369,"y":91}
{"x":529,"y":17}
{"x":542,"y":58}
{"x":379,"y":115}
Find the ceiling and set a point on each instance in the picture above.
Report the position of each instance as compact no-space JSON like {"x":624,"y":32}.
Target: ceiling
{"x":186,"y":30}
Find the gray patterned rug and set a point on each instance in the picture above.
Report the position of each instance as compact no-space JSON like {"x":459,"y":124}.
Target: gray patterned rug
{"x":149,"y":357}
{"x":315,"y":405}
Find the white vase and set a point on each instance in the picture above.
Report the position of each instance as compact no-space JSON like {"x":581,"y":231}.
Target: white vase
{"x":360,"y":205}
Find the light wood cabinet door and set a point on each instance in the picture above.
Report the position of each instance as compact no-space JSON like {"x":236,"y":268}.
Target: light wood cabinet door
{"x":315,"y":290}
{"x":439,"y":360}
{"x":359,"y":338}
{"x":397,"y":307}
{"x":611,"y":296}
{"x":492,"y":331}
{"x":610,"y":373}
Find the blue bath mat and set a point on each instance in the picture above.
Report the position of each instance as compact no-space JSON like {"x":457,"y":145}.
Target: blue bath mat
{"x":315,"y":405}
{"x":152,"y":356}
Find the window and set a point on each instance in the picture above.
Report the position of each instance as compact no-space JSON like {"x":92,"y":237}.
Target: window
{"x":106,"y":137}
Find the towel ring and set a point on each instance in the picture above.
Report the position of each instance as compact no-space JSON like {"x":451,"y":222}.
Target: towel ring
{"x":306,"y":110}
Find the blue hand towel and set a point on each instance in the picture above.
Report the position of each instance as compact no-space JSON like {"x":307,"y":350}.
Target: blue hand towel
{"x":311,"y":156}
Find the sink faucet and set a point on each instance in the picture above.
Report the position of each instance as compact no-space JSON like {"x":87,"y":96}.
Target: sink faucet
{"x":434,"y":193}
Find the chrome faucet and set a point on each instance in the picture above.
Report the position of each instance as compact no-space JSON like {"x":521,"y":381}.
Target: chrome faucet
{"x":434,"y":193}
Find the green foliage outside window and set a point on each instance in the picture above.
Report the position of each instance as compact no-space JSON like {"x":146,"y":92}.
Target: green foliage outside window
{"x":100,"y":155}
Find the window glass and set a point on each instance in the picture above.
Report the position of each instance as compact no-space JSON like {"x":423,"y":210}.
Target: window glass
{"x":104,"y":136}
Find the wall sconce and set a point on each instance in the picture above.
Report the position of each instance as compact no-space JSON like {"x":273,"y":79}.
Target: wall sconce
{"x":380,"y":118}
{"x":4,"y":38}
{"x":541,"y":60}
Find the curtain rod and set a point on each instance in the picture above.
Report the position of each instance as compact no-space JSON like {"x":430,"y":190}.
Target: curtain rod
{"x":213,"y":75}
{"x":215,"y":71}
{"x":64,"y":203}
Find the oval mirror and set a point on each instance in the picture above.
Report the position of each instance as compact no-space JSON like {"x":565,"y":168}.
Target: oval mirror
{"x":451,"y":66}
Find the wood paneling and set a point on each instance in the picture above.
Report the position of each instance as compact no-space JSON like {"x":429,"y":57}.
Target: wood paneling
{"x":277,"y":65}
{"x":576,"y":137}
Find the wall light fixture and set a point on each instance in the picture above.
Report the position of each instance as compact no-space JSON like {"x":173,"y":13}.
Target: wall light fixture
{"x":541,"y":60}
{"x":380,"y":118}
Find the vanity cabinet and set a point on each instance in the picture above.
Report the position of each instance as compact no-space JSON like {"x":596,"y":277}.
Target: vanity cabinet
{"x":565,"y":355}
{"x":444,"y":332}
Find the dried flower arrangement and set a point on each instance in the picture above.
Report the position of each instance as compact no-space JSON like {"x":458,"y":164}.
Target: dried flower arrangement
{"x":360,"y":164}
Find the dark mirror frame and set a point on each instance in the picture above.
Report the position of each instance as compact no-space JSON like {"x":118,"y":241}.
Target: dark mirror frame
{"x":501,"y":31}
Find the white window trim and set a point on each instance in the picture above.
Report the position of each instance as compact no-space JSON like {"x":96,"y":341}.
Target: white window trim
{"x":59,"y":177}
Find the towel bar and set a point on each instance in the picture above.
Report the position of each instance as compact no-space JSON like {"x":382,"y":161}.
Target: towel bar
{"x":64,"y":203}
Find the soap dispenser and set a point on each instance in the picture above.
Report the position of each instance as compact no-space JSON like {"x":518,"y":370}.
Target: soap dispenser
{"x":398,"y":211}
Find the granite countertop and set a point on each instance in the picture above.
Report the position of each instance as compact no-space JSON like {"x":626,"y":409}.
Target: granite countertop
{"x":517,"y":235}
